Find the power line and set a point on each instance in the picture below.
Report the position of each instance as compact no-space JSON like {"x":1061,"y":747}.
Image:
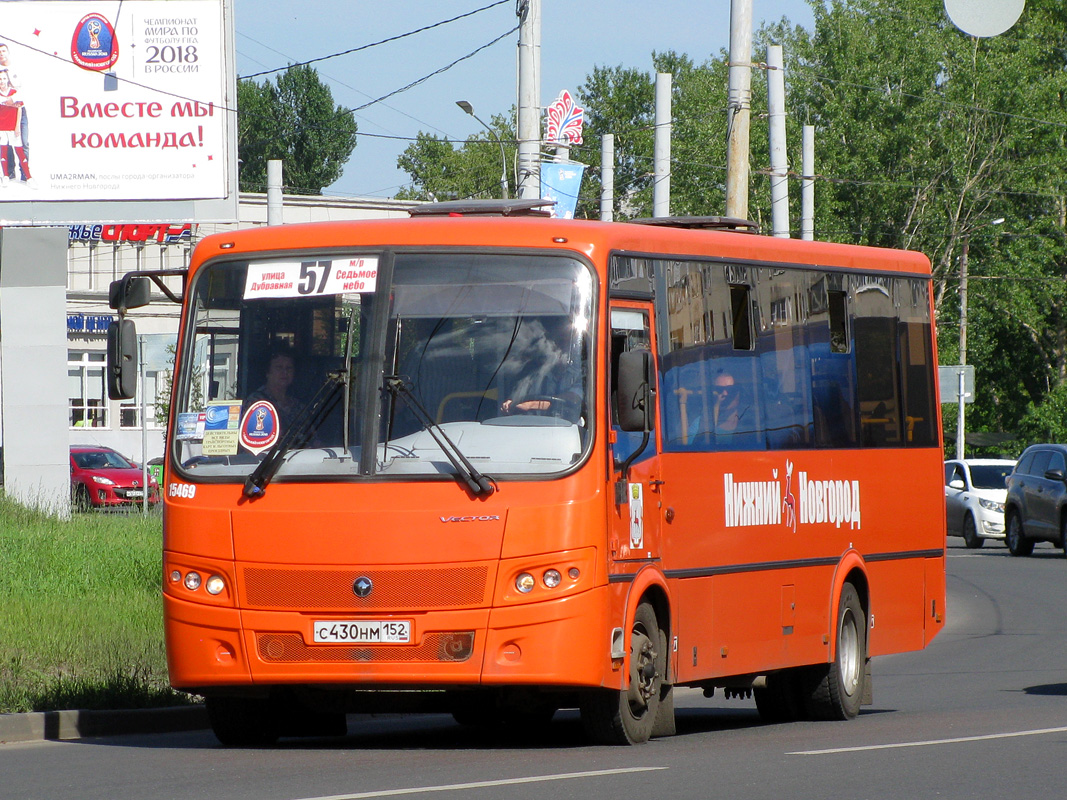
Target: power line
{"x":375,"y":44}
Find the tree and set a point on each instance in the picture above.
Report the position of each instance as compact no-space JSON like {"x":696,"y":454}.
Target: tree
{"x":294,"y":120}
{"x":441,"y":171}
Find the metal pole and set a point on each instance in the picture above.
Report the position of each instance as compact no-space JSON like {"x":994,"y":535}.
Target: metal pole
{"x":503,"y":158}
{"x":607,"y":175}
{"x":274,"y":192}
{"x":779,"y":159}
{"x":529,"y":91}
{"x":807,"y":185}
{"x":739,"y":105}
{"x":962,"y":395}
{"x":144,"y":428}
{"x":661,"y":186}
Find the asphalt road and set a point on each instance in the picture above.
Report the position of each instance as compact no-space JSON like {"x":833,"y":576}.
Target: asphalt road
{"x":982,"y":713}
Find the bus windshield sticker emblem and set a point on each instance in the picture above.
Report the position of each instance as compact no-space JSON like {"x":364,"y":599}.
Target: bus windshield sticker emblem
{"x":780,"y":501}
{"x":363,"y":586}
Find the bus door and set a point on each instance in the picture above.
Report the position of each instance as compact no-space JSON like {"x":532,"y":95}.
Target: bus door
{"x":635,"y":531}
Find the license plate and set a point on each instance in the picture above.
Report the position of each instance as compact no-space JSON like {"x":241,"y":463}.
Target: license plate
{"x":137,"y":493}
{"x":363,"y":631}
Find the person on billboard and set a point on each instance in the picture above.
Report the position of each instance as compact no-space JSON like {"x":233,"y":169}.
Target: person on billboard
{"x":10,"y":132}
{"x":24,"y":125}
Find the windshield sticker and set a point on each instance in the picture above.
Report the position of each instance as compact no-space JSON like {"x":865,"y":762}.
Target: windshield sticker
{"x":191,"y":425}
{"x":222,"y":419}
{"x":311,"y":278}
{"x":259,"y":427}
{"x":637,"y":517}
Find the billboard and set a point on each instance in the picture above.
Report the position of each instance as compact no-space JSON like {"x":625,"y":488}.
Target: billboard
{"x":117,"y":111}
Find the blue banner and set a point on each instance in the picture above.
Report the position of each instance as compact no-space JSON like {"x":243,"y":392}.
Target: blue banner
{"x":561,"y":182}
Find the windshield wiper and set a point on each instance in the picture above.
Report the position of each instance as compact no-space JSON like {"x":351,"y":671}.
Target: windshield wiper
{"x":311,"y":414}
{"x":476,"y":482}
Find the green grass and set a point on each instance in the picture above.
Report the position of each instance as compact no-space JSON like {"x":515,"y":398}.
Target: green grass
{"x":81,"y":618}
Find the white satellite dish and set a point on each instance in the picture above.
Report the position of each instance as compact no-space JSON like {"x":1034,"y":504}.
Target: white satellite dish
{"x":984,"y":17}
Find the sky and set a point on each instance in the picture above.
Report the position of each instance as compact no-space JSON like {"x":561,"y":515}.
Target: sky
{"x":576,"y":36}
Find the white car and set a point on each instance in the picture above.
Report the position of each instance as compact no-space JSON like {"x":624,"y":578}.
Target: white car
{"x":974,"y":498}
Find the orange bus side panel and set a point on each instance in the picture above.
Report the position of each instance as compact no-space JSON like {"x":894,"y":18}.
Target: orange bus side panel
{"x":898,"y":603}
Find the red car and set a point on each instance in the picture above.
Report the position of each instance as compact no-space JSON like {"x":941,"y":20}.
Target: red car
{"x":101,"y":477}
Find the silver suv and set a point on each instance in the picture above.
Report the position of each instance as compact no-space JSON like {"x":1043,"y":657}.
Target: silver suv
{"x":1035,"y":509}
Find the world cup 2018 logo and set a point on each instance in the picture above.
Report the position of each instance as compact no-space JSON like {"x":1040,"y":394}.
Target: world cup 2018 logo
{"x":94,"y":44}
{"x":259,"y":427}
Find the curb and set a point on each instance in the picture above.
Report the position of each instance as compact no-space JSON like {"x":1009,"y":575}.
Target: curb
{"x":65,"y":725}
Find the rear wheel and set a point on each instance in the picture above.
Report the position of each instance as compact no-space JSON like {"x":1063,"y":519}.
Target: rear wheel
{"x":1015,"y":539}
{"x":838,"y":687}
{"x":970,"y":533}
{"x":243,"y":721}
{"x":629,"y":716}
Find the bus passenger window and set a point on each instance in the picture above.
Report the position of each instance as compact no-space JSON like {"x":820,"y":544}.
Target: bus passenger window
{"x":741,"y":317}
{"x":838,"y":322}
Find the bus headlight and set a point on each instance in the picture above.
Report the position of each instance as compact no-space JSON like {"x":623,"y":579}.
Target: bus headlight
{"x":192,"y":581}
{"x":552,"y":578}
{"x":215,"y":584}
{"x":525,"y":583}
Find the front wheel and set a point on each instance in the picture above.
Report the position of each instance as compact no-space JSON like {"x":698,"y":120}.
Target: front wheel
{"x":838,"y":688}
{"x":243,"y":721}
{"x":970,"y":533}
{"x":1015,"y":539}
{"x":629,"y":716}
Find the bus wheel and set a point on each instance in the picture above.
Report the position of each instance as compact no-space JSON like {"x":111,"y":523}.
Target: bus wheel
{"x":837,"y":690}
{"x":780,"y":699}
{"x":629,"y":716}
{"x":243,"y":721}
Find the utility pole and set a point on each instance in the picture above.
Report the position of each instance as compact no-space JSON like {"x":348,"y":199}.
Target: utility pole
{"x":739,"y":107}
{"x":607,"y":177}
{"x":807,"y":185}
{"x":779,"y":158}
{"x":661,"y":181}
{"x":274,"y":192}
{"x":529,"y":91}
{"x":962,"y":393}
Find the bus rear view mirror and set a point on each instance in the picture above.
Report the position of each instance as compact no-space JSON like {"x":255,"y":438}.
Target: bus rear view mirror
{"x":121,"y":359}
{"x":129,"y":292}
{"x":634,"y":392}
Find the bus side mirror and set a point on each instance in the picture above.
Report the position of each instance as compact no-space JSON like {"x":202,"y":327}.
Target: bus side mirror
{"x":121,"y":359}
{"x":635,"y":390}
{"x":129,"y":292}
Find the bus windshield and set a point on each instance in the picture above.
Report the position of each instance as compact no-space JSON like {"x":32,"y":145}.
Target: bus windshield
{"x":360,"y":364}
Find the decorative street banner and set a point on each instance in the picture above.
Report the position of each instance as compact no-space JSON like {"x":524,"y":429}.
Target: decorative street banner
{"x":563,"y":124}
{"x":561,"y":182}
{"x":112,"y":100}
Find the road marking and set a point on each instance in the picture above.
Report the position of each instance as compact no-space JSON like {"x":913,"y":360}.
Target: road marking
{"x":456,"y":787}
{"x":928,"y":743}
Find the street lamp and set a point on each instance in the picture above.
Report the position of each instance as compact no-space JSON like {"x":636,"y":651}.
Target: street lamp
{"x":963,"y":331}
{"x":503,"y":158}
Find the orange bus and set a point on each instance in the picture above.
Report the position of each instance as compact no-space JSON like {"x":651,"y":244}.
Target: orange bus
{"x":489,"y":463}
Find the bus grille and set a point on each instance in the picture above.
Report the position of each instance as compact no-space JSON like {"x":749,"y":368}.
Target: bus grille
{"x":400,"y":589}
{"x":290,"y":647}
